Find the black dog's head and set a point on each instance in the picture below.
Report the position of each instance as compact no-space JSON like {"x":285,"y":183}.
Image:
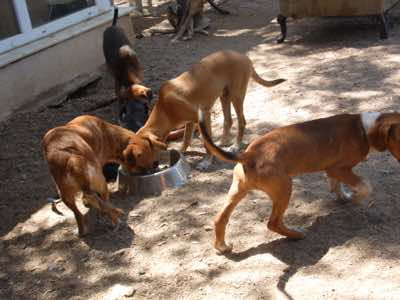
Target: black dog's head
{"x":133,"y":115}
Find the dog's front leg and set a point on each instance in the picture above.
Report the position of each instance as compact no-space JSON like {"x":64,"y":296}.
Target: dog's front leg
{"x":336,"y":187}
{"x":226,"y":109}
{"x":187,"y":136}
{"x":360,"y":187}
{"x":207,"y":161}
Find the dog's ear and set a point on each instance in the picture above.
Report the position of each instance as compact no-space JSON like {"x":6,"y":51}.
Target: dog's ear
{"x":394,"y":132}
{"x":380,"y":135}
{"x":140,"y":91}
{"x":155,"y":142}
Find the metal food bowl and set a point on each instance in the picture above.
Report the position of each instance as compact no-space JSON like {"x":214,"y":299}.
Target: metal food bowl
{"x":172,"y":172}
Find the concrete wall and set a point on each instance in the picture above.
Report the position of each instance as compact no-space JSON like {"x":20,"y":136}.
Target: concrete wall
{"x":24,"y":81}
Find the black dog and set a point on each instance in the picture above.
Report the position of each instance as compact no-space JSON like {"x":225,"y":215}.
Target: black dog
{"x":124,"y":64}
{"x":133,"y":97}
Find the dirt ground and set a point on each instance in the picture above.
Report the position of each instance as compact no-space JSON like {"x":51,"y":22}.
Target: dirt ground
{"x":164,"y":248}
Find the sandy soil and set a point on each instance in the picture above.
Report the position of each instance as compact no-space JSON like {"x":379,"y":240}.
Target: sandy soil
{"x":164,"y":249}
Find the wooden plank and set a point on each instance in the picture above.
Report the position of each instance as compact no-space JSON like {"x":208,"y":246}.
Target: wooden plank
{"x":333,"y":8}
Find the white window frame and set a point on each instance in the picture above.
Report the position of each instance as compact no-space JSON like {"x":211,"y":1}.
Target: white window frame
{"x":28,"y":33}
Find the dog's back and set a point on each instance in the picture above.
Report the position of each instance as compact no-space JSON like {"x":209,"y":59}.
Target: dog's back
{"x":119,"y":55}
{"x":76,"y":137}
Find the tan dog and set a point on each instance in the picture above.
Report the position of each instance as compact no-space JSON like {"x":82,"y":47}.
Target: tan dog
{"x":76,"y":153}
{"x":187,"y":17}
{"x":223,"y":74}
{"x":334,"y":145}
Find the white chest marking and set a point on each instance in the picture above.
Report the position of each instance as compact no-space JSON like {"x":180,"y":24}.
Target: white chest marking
{"x":126,"y":51}
{"x":368,"y":120}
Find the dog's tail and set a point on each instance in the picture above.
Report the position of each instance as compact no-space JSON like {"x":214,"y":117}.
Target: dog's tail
{"x":263,"y":82}
{"x":214,"y":149}
{"x":217,"y":8}
{"x":114,"y":22}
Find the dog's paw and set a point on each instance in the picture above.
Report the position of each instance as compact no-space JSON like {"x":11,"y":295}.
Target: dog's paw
{"x":361,"y":191}
{"x":187,"y":38}
{"x":223,"y":249}
{"x":236,"y":148}
{"x":204,"y":32}
{"x":296,"y":234}
{"x":174,"y":40}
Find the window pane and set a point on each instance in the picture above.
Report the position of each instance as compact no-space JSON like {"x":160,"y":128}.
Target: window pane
{"x":8,"y":20}
{"x":44,"y":11}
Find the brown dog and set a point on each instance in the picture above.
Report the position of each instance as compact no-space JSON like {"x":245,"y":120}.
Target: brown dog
{"x":223,"y":74}
{"x":124,"y":65}
{"x":334,"y":145}
{"x":76,"y":153}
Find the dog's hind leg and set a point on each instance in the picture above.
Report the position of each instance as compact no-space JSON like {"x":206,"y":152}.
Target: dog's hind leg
{"x":182,"y":29}
{"x":226,"y":109}
{"x":97,"y":196}
{"x":279,"y":188}
{"x":187,"y":136}
{"x":68,"y":195}
{"x":187,"y":19}
{"x":237,"y":192}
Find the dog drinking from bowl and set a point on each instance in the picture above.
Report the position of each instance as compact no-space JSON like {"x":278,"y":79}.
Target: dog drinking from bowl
{"x":76,"y":153}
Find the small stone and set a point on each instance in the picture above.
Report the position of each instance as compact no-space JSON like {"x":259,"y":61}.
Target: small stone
{"x":194,"y":203}
{"x":135,"y":215}
{"x":208,"y":228}
{"x":130,"y":293}
{"x":52,"y":268}
{"x":120,"y":252}
{"x":55,"y":268}
{"x":3,"y":276}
